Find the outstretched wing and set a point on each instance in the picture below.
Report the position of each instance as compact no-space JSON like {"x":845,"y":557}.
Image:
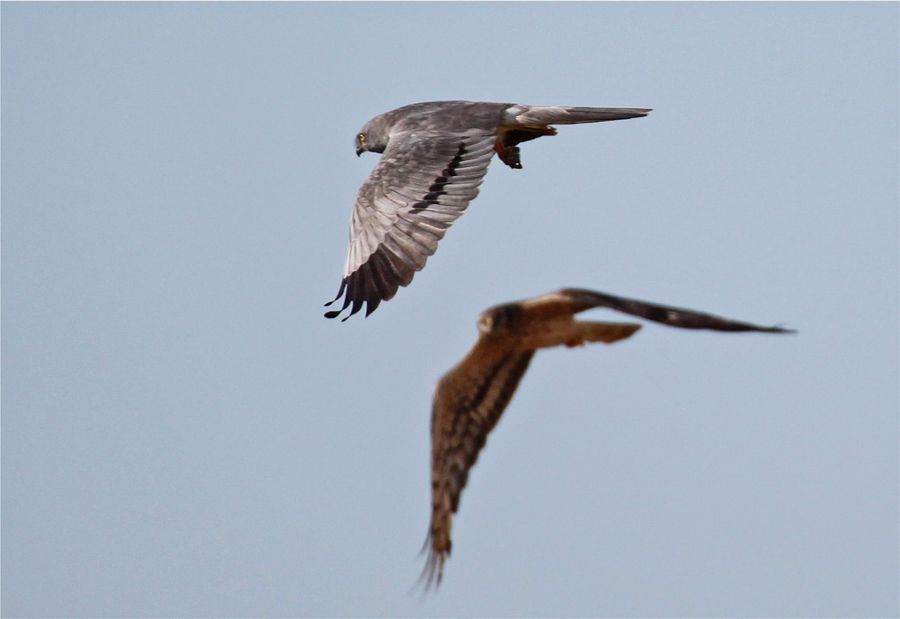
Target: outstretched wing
{"x":468,"y":402}
{"x":581,"y":300}
{"x":422,"y":184}
{"x":470,"y":398}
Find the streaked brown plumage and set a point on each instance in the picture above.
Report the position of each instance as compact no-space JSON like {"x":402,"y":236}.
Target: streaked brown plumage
{"x":470,"y":398}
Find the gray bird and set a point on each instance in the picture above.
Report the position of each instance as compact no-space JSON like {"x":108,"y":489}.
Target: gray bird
{"x":434,"y":157}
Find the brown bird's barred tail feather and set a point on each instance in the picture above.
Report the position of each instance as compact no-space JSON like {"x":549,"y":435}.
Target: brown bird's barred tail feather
{"x":664,"y":314}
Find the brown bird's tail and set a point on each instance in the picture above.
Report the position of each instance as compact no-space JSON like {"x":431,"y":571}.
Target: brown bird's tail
{"x":607,"y":332}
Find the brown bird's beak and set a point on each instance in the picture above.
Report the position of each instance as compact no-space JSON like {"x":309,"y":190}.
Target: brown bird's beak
{"x":359,"y":150}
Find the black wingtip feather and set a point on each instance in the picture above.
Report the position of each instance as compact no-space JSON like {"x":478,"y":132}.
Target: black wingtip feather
{"x":340,"y":292}
{"x":385,"y":275}
{"x":376,"y":280}
{"x":336,"y":313}
{"x":356,"y":291}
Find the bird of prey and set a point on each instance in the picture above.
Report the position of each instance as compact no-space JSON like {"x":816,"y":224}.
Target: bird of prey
{"x":434,"y":157}
{"x":470,"y":398}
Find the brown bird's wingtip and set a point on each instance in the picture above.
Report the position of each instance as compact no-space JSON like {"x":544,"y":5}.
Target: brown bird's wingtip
{"x":433,"y":570}
{"x":432,"y":573}
{"x":780,"y":329}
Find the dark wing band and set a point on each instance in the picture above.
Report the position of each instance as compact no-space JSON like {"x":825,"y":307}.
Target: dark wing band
{"x":422,"y":184}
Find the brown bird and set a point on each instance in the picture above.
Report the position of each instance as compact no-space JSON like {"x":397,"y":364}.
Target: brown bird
{"x":470,"y":398}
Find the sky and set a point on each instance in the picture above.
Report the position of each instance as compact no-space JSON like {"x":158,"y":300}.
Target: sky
{"x":185,"y":435}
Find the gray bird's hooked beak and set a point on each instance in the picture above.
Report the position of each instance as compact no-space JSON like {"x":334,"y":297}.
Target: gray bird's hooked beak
{"x":359,"y":150}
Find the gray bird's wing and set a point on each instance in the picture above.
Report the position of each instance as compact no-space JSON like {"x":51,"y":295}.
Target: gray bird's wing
{"x":422,"y":184}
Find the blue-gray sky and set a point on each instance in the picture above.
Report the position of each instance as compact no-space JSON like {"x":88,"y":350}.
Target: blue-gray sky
{"x":184,"y":434}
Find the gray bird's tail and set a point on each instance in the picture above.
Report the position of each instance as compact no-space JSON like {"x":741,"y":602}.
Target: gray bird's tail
{"x":558,"y":115}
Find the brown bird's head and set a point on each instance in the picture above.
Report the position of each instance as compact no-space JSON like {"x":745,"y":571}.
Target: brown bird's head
{"x":499,"y":319}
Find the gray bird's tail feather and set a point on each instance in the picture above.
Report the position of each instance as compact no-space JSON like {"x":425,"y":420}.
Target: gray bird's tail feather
{"x":558,"y":115}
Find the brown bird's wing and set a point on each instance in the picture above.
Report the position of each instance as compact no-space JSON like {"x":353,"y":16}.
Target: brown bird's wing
{"x":468,"y":402}
{"x":579,"y":300}
{"x":422,"y":184}
{"x":470,"y":398}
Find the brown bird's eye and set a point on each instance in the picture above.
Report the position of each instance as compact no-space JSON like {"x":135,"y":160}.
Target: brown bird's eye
{"x":361,"y":137}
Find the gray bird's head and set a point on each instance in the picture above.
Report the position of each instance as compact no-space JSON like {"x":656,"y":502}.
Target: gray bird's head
{"x":499,"y":318}
{"x":373,"y":137}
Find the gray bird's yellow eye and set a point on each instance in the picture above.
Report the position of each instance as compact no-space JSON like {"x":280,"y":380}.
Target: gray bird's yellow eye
{"x":361,"y":137}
